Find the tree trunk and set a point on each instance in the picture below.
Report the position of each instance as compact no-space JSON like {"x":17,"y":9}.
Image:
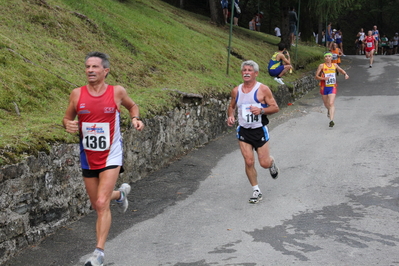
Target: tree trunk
{"x":244,"y":6}
{"x":306,"y":25}
{"x":320,"y":33}
{"x":285,"y":27}
{"x":216,"y":12}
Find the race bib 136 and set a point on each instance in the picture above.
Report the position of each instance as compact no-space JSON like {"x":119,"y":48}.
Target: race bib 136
{"x":96,"y":136}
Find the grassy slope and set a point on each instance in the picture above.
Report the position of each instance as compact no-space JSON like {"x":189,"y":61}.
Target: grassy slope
{"x":152,"y":46}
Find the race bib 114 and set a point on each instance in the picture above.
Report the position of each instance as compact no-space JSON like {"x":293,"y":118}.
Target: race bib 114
{"x":248,"y":116}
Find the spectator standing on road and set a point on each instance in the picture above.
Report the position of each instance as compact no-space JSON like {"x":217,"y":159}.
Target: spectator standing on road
{"x":97,"y":106}
{"x":390,"y":47}
{"x":277,"y":31}
{"x":293,"y":20}
{"x":225,"y":8}
{"x":376,"y":35}
{"x":280,"y":63}
{"x":357,"y":47}
{"x":384,"y":44}
{"x":326,"y":74}
{"x":361,"y":36}
{"x":395,"y":43}
{"x":329,"y":34}
{"x":254,"y":101}
{"x":333,"y":38}
{"x":339,"y":40}
{"x":370,"y":44}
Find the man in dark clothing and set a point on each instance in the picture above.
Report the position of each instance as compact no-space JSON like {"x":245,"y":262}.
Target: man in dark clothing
{"x":293,"y":20}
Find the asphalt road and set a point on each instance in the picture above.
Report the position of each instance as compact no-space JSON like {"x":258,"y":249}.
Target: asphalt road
{"x":336,"y":201}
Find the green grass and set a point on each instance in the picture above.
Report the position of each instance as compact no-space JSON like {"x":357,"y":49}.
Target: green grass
{"x":153,"y":46}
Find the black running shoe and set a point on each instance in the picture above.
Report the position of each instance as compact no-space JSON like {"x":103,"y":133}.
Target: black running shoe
{"x":273,"y":169}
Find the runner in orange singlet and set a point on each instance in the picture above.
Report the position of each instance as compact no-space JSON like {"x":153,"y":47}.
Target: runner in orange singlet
{"x":326,"y":74}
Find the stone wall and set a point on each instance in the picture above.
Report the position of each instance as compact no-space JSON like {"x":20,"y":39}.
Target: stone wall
{"x":45,"y":192}
{"x":170,"y":136}
{"x":38,"y":196}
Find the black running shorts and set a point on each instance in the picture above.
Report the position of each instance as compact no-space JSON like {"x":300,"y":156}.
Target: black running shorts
{"x":96,"y":173}
{"x":257,"y":137}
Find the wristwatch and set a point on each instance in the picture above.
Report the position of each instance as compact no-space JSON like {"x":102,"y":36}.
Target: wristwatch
{"x":262,"y":111}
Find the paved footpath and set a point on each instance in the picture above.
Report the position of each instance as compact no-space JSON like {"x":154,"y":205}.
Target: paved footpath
{"x":336,"y":201}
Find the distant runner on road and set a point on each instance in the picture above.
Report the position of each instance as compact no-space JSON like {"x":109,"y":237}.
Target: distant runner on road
{"x":371,"y":44}
{"x":254,"y":101}
{"x":326,"y":74}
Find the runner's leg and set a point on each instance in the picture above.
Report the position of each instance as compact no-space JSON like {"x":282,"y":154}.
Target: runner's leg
{"x":101,"y":192}
{"x":249,"y":158}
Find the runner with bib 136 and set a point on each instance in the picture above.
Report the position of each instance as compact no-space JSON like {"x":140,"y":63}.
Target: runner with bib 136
{"x":97,"y":106}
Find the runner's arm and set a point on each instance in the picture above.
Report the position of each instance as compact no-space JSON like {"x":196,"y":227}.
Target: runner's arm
{"x":318,"y":73}
{"x":134,"y":112}
{"x":284,"y":59}
{"x":232,"y":107}
{"x":272,"y":106}
{"x":341,"y":71}
{"x":70,"y":125}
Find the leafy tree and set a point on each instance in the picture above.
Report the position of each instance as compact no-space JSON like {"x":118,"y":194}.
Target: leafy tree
{"x":347,"y":15}
{"x":327,"y":10}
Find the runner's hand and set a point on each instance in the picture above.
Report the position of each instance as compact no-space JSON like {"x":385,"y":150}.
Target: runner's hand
{"x":138,"y":124}
{"x":231,"y":121}
{"x":255,"y":110}
{"x":72,"y":126}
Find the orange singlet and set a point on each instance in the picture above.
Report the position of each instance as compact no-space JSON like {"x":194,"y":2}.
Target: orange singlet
{"x":328,"y":86}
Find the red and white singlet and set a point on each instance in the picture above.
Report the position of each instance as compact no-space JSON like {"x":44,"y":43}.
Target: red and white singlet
{"x":369,"y":41}
{"x":100,"y":137}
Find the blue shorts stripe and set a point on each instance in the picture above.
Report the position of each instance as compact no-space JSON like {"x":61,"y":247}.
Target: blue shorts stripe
{"x":266,"y":133}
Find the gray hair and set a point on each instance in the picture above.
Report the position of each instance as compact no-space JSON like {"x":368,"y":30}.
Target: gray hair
{"x":250,"y":63}
{"x":104,"y":58}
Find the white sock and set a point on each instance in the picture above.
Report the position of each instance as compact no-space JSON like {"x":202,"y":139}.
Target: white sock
{"x":101,"y":251}
{"x":256,"y":188}
{"x":122,"y":197}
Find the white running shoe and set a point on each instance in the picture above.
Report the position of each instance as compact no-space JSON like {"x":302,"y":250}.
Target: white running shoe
{"x":123,"y":204}
{"x":279,"y":80}
{"x":97,"y":259}
{"x":256,"y":197}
